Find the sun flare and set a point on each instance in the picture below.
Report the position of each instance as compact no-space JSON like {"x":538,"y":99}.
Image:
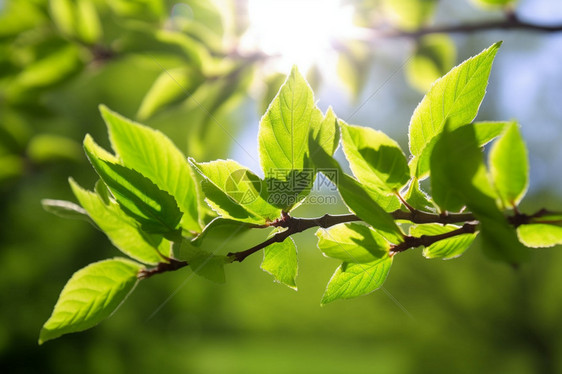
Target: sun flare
{"x":300,"y":32}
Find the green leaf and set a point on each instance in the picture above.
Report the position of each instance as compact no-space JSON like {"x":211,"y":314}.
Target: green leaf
{"x":66,"y":209}
{"x":375,"y":159}
{"x":170,"y":87}
{"x":409,"y":15}
{"x":237,"y":185}
{"x":509,"y":166}
{"x":352,"y":242}
{"x":365,"y":203}
{"x":121,"y":230}
{"x":353,"y":66}
{"x":48,"y":71}
{"x":280,"y":260}
{"x":138,"y":196}
{"x":283,"y":138}
{"x":446,"y":248}
{"x":494,"y":4}
{"x":90,"y":296}
{"x":62,"y":13}
{"x":484,"y":132}
{"x":352,"y":280}
{"x":220,"y":228}
{"x":45,"y":148}
{"x":203,"y":262}
{"x":453,"y":99}
{"x":540,"y":235}
{"x":327,"y":134}
{"x":434,"y":56}
{"x":155,"y":156}
{"x":417,"y":198}
{"x":88,"y":24}
{"x":459,"y":178}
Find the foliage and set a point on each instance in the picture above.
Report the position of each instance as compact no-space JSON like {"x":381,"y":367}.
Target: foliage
{"x":148,"y":191}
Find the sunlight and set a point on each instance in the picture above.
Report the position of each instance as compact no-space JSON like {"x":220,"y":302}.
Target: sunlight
{"x":299,"y":32}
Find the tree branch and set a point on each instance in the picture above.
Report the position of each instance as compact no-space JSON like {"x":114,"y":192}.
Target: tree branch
{"x":511,"y":22}
{"x":294,"y":225}
{"x":427,"y":240}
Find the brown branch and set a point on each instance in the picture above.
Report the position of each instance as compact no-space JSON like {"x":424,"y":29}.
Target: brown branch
{"x":162,"y":267}
{"x":512,"y":22}
{"x":427,"y":240}
{"x":295,"y":225}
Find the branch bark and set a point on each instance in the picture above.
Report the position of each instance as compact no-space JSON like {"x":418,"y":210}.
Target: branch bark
{"x":511,"y":22}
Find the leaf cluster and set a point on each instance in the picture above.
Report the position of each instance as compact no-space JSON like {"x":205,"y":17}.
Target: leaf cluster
{"x":162,"y":209}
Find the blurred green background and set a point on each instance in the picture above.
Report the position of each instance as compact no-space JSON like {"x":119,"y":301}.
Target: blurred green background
{"x":60,"y":59}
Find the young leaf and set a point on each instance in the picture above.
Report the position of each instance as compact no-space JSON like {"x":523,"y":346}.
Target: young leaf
{"x":170,"y":87}
{"x":459,"y":178}
{"x":540,"y":235}
{"x":155,"y":156}
{"x":484,"y":133}
{"x":352,"y":243}
{"x":239,"y":185}
{"x":375,"y":159}
{"x":220,"y":228}
{"x":417,"y":198}
{"x":446,"y":248}
{"x":141,"y":199}
{"x":283,"y":136}
{"x":203,"y":263}
{"x":327,"y":134}
{"x":360,"y":200}
{"x":351,"y":280}
{"x":280,"y":260}
{"x":90,"y":296}
{"x":453,"y":99}
{"x":88,"y":25}
{"x":509,"y":166}
{"x":121,"y":230}
{"x":66,"y":209}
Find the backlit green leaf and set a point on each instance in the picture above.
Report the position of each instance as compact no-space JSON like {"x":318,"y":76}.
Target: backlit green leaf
{"x":220,"y":228}
{"x":283,"y":136}
{"x":484,"y":132}
{"x":354,"y":64}
{"x":375,"y":159}
{"x":352,"y":280}
{"x":352,"y":242}
{"x":509,"y":166}
{"x":138,"y":196}
{"x":155,"y":156}
{"x":239,"y":186}
{"x":66,"y":209}
{"x":409,"y":14}
{"x":417,"y":198}
{"x":453,"y":99}
{"x":88,"y":23}
{"x":280,"y":260}
{"x":365,"y":203}
{"x":90,"y":296}
{"x":327,"y":134}
{"x":171,"y":86}
{"x":446,"y":248}
{"x":459,"y":178}
{"x":121,"y":230}
{"x":540,"y":235}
